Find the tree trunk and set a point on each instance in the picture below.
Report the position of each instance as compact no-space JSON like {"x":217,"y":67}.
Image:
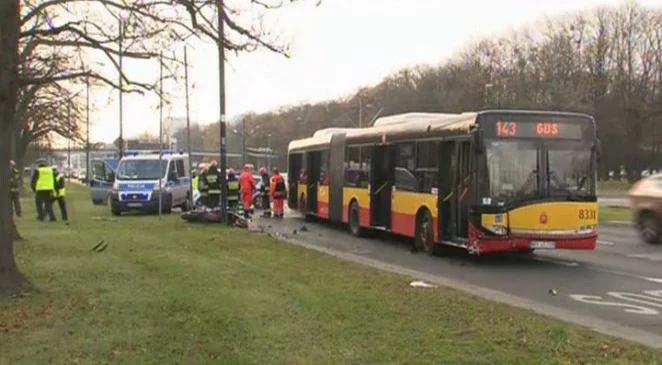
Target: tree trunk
{"x":10,"y":277}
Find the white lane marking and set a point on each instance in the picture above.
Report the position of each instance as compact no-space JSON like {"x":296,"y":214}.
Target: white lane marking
{"x":647,"y":256}
{"x":616,"y":272}
{"x":629,"y":308}
{"x":654,"y":293}
{"x":605,"y":243}
{"x":558,"y":262}
{"x":638,"y":298}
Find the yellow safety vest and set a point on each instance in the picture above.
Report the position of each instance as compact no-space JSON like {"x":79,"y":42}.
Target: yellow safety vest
{"x":62,"y":192}
{"x":45,"y":181}
{"x":233,"y":190}
{"x":196,"y":183}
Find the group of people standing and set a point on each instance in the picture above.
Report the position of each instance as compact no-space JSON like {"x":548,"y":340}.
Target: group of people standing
{"x":241,"y":188}
{"x":49,"y":187}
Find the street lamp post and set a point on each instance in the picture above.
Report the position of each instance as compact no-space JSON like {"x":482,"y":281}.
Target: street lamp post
{"x":87,"y":139}
{"x":269,"y":156}
{"x":221,"y":96}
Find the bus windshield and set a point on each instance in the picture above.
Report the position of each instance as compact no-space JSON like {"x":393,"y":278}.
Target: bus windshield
{"x":529,"y":169}
{"x":141,"y":169}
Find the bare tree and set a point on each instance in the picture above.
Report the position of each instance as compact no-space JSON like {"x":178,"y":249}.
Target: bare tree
{"x":55,"y":43}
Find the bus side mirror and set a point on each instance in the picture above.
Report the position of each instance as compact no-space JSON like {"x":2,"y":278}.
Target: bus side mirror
{"x":479,"y":145}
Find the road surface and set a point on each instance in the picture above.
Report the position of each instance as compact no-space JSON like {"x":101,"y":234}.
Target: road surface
{"x":616,"y":289}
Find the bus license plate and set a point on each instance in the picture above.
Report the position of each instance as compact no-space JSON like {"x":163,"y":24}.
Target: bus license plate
{"x":543,"y":245}
{"x":134,"y":205}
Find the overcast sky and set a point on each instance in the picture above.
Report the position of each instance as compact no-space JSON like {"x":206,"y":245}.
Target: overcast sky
{"x":336,"y":48}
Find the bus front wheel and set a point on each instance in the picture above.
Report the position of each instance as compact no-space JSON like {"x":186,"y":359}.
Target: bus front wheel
{"x":424,"y":239}
{"x":355,"y":220}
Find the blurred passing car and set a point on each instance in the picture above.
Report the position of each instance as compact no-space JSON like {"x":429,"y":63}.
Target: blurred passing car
{"x":646,"y":203}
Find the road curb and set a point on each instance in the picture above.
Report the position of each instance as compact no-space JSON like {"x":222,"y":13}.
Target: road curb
{"x":608,"y":328}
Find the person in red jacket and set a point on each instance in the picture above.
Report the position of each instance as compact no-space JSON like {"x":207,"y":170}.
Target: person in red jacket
{"x":247,"y":185}
{"x":278,"y":193}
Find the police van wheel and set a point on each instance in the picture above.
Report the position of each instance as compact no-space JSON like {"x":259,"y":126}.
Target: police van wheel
{"x":186,"y":205}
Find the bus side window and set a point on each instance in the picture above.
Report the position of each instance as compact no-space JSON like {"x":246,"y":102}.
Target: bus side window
{"x":366,"y":163}
{"x":405,"y":179}
{"x":427,"y":169}
{"x":324,"y":168}
{"x":357,"y":167}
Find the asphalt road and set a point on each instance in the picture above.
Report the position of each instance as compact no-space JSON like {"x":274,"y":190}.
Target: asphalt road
{"x":616,"y":289}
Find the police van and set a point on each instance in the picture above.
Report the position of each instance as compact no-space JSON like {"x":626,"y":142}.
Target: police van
{"x":136,"y":186}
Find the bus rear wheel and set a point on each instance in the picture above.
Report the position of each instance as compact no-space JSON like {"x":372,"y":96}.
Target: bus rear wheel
{"x":355,"y":220}
{"x":424,"y":239}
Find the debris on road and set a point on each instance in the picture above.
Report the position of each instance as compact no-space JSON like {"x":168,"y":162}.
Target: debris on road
{"x":303,"y":229}
{"x":421,"y":284}
{"x":100,"y":246}
{"x":553,"y":292}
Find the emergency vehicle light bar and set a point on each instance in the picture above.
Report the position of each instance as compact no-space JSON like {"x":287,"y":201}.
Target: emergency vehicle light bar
{"x":151,"y":152}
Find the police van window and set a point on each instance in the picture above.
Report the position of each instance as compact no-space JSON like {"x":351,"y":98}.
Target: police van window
{"x":405,"y":165}
{"x":99,"y":170}
{"x":171,"y":169}
{"x":427,"y":170}
{"x":181,"y":172}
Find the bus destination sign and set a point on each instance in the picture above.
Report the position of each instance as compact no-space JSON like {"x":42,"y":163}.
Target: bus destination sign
{"x":539,"y":129}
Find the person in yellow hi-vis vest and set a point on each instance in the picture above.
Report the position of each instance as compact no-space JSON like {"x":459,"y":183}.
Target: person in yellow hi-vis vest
{"x":60,"y":193}
{"x":43,"y":184}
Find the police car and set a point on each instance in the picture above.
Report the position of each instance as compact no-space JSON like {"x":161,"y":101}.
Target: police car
{"x":136,"y":186}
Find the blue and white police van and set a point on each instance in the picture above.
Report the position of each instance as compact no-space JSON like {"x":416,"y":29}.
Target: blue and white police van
{"x":136,"y":186}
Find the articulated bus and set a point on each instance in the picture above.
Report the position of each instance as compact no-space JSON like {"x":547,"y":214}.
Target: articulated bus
{"x":489,"y":181}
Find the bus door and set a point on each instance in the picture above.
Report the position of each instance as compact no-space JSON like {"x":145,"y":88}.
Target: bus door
{"x":337,"y":177}
{"x":447,"y":200}
{"x":295,"y":162}
{"x":381,"y":186}
{"x":313,"y":160}
{"x":464,"y":188}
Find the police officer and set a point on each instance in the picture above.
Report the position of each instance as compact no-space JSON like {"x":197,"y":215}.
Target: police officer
{"x":43,"y":184}
{"x":233,"y":190}
{"x":60,"y":193}
{"x":203,"y":188}
{"x":264,"y":191}
{"x":213,"y":182}
{"x":14,"y":188}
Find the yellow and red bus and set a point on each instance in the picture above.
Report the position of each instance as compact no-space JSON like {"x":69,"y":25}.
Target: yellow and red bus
{"x":489,"y":181}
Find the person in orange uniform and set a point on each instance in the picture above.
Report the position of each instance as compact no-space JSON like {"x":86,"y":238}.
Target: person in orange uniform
{"x":278,"y":193}
{"x":247,"y":184}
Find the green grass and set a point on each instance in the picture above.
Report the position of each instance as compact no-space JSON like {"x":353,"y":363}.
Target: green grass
{"x":168,"y":292}
{"x":615,"y":214}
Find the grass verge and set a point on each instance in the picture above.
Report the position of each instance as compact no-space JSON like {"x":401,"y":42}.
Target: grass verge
{"x":615,"y":214}
{"x":168,"y":292}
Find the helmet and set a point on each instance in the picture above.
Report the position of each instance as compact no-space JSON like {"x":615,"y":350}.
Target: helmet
{"x":263,"y":171}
